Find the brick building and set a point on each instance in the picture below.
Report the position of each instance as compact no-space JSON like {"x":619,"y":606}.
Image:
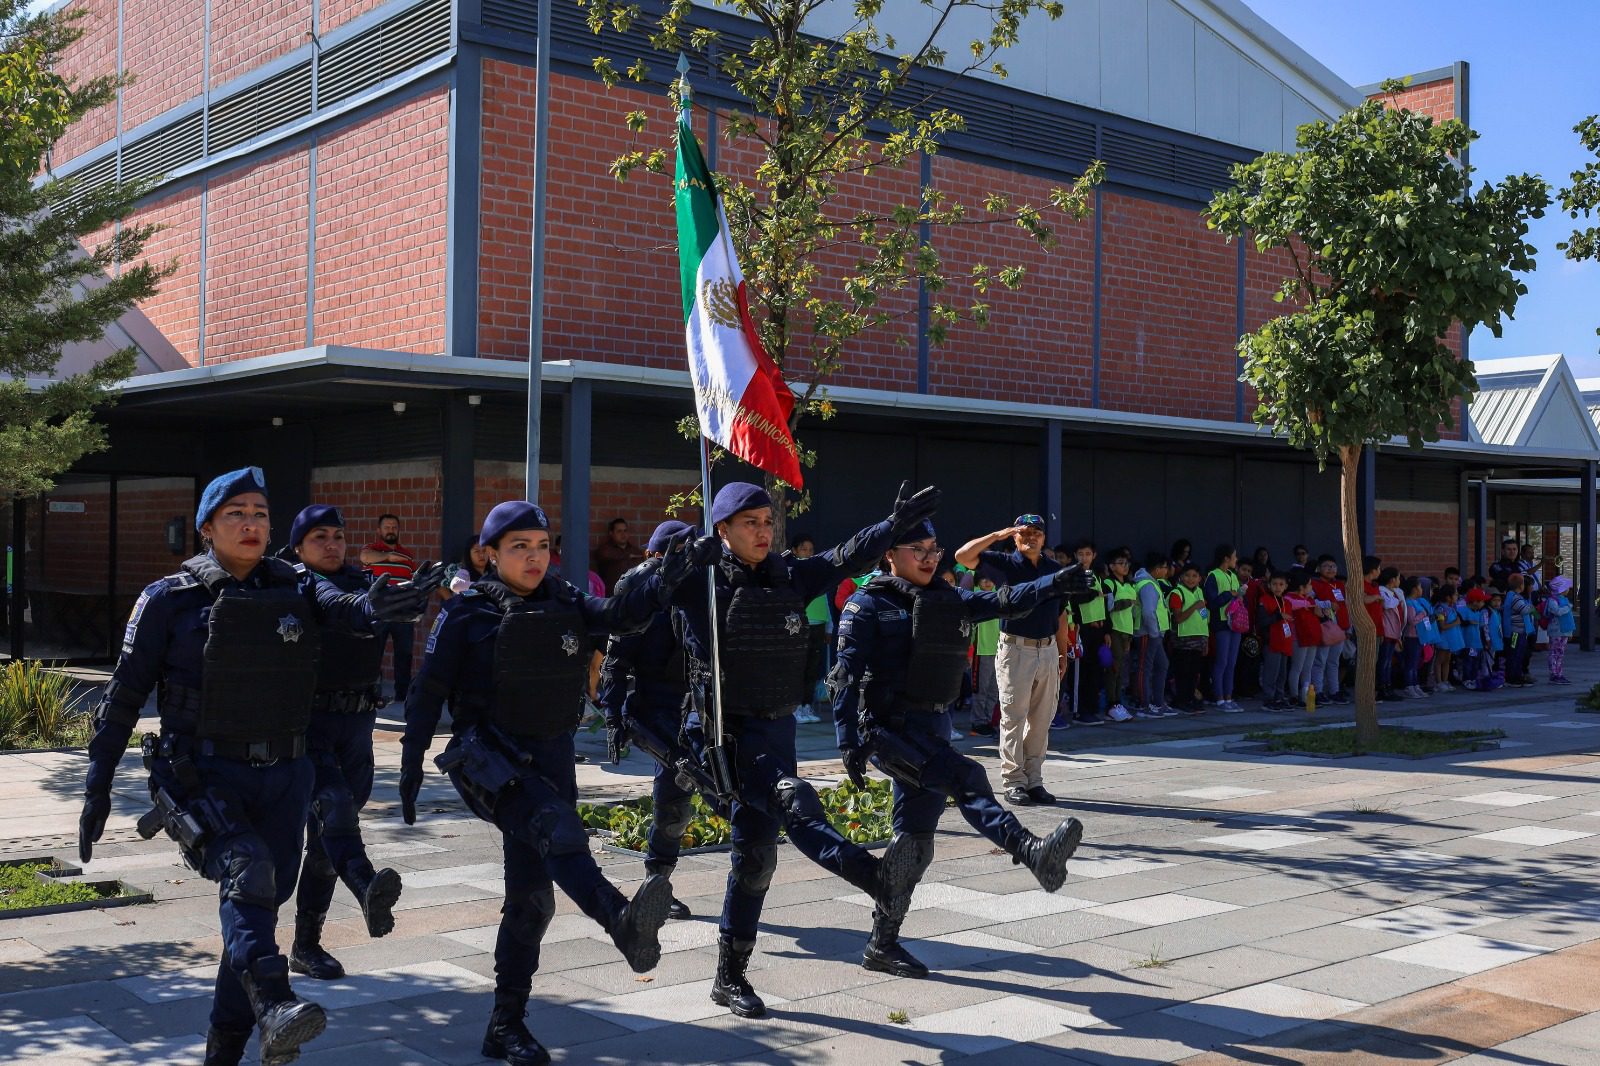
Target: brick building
{"x":348,"y":191}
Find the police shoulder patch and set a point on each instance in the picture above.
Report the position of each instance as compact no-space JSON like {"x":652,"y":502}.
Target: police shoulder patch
{"x":851,"y":607}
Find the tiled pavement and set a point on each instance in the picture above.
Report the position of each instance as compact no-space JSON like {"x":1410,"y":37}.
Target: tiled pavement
{"x":1226,"y":908}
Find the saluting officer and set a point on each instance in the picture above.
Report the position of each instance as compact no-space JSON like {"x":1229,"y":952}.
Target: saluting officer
{"x":761,"y":599}
{"x":902,"y":649}
{"x":339,"y":742}
{"x":511,"y":654}
{"x":653,"y":660}
{"x":231,"y":645}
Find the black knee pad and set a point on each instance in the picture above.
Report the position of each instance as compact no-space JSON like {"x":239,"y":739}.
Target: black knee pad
{"x":334,"y":810}
{"x":798,"y":800}
{"x":922,"y":852}
{"x":317,"y":864}
{"x":527,"y":918}
{"x":248,"y":872}
{"x":753,"y":868}
{"x":673,"y":817}
{"x":557,"y":830}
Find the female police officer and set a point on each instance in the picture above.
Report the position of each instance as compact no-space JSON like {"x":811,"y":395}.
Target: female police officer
{"x":231,"y":643}
{"x":764,"y":648}
{"x":511,"y":654}
{"x":339,"y":742}
{"x":902,"y":649}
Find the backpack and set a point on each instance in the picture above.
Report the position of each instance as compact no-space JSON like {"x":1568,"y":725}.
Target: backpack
{"x":1238,"y":616}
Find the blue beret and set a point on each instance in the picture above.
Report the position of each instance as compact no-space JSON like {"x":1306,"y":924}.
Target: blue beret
{"x":735,"y":497}
{"x":923,"y":530}
{"x":663,"y":533}
{"x":224,"y":488}
{"x":509,"y":516}
{"x":318,"y":514}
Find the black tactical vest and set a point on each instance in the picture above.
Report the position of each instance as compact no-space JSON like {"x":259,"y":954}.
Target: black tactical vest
{"x":261,"y":653}
{"x":541,"y":668}
{"x":662,"y":676}
{"x":764,"y":651}
{"x":350,"y":661}
{"x":940,"y":636}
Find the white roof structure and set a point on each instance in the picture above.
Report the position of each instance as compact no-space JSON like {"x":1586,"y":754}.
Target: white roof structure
{"x":1533,"y":401}
{"x":1590,"y":388}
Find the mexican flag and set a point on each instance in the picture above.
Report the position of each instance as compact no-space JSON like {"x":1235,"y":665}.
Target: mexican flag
{"x":739,"y":392}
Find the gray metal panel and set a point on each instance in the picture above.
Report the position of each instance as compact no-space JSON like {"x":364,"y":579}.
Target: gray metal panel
{"x":1075,"y":46}
{"x":1172,"y":74}
{"x":1498,"y":412}
{"x":1129,"y":508}
{"x":1216,"y":68}
{"x":1125,"y":57}
{"x":1200,"y":501}
{"x":1260,"y":108}
{"x":1320,"y":527}
{"x":977,"y":481}
{"x":1296,"y":113}
{"x":1077,"y":492}
{"x":1269,"y":519}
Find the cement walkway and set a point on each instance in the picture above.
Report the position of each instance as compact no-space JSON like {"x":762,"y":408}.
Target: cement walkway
{"x":1227,"y":907}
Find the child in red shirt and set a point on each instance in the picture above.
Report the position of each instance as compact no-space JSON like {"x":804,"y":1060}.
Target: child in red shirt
{"x":1300,"y":602}
{"x":1276,"y":622}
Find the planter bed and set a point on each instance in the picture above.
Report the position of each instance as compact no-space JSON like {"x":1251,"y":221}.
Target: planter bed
{"x":1463,"y":742}
{"x":52,"y":873}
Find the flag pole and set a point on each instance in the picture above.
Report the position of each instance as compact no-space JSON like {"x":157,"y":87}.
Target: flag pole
{"x":718,"y":764}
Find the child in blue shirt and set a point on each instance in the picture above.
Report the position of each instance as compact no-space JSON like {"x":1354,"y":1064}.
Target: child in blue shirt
{"x":1450,"y":641}
{"x":1517,"y":616}
{"x":1558,"y":620}
{"x":1494,"y":635}
{"x":1471,"y":615}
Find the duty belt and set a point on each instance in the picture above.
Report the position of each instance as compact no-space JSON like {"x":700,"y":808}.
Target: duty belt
{"x":261,"y":752}
{"x":345,"y":701}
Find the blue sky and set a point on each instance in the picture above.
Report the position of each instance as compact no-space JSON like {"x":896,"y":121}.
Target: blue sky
{"x":1532,"y":77}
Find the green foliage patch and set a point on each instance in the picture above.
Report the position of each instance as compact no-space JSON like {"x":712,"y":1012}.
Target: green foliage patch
{"x":1390,"y":741}
{"x":861,"y":815}
{"x":21,"y":889}
{"x":37,"y":708}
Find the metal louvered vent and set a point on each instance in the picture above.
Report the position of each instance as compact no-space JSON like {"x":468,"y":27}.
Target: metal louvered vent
{"x":1133,"y":153}
{"x":157,"y":154}
{"x":388,"y":49}
{"x":263,"y":106}
{"x":86,"y":179}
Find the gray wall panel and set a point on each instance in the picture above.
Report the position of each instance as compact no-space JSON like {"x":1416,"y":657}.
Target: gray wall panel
{"x":1172,"y":71}
{"x":1125,"y":58}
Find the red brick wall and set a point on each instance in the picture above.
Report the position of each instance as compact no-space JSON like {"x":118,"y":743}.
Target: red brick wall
{"x":175,"y":308}
{"x":338,"y":12}
{"x":381,"y":217}
{"x":248,"y":33}
{"x":640,"y":496}
{"x":1039,"y":343}
{"x":1167,"y":311}
{"x":163,"y":46}
{"x":74,"y":544}
{"x":256,"y":259}
{"x":144,"y":507}
{"x":1419,"y":538}
{"x":94,"y":54}
{"x":1436,"y":98}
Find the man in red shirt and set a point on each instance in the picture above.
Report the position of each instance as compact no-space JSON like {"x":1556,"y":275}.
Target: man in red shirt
{"x":1329,"y":592}
{"x":615,"y":555}
{"x":387,"y":556}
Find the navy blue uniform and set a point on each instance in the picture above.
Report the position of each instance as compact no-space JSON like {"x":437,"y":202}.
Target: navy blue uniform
{"x":770,"y":796}
{"x":874,"y":655}
{"x":260,"y":808}
{"x":545,"y":840}
{"x":339,"y":744}
{"x":653,"y":660}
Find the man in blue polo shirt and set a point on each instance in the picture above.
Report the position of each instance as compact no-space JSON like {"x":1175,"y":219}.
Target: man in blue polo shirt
{"x":1031,"y":659}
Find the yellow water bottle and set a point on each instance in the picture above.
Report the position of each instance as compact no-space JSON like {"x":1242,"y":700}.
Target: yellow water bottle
{"x":1311,"y":699}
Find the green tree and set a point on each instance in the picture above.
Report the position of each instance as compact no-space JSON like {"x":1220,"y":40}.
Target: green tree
{"x":826,"y":115}
{"x":54,"y":291}
{"x":1581,"y":199}
{"x":1391,"y":246}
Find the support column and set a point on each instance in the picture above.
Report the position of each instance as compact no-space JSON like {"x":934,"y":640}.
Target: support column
{"x":457,"y":476}
{"x":576,"y":418}
{"x":17,"y":572}
{"x":1050,"y":489}
{"x":1367,"y":500}
{"x":1463,"y":508}
{"x":1481,"y":534}
{"x":1586,"y":560}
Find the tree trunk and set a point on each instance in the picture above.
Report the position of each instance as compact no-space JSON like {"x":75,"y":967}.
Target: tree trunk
{"x":780,"y":511}
{"x":1355,"y":600}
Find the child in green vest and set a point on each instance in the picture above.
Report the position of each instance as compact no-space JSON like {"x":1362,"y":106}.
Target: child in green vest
{"x":1122,"y":611}
{"x":1150,"y":670}
{"x":1191,"y":633}
{"x":986,"y":684}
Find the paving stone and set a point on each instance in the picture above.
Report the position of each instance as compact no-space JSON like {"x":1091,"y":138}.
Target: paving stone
{"x":1533,"y":836}
{"x":1141,"y":1040}
{"x":658,"y":1007}
{"x":1370,"y":980}
{"x":1161,"y":909}
{"x":1421,"y":922}
{"x":68,"y":1037}
{"x":1263,"y":1009}
{"x":1261,"y":840}
{"x":1054,"y":930}
{"x":1462,"y":953}
{"x":995,"y":1024}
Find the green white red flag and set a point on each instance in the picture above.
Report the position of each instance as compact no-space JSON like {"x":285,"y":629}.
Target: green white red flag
{"x":739,"y":393}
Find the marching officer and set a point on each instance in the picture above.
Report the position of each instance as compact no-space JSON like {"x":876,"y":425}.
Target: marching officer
{"x":902,"y":648}
{"x":339,"y":743}
{"x":511,"y":654}
{"x":230,"y":643}
{"x":761,"y":598}
{"x":651,"y":712}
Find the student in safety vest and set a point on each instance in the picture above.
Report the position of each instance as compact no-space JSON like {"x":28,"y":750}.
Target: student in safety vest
{"x":1122,"y":606}
{"x":1090,"y":614}
{"x":1155,"y":621}
{"x":1222,"y":591}
{"x":1190,"y":632}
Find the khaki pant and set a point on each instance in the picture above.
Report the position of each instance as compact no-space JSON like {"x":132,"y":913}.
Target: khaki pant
{"x":1030,"y":684}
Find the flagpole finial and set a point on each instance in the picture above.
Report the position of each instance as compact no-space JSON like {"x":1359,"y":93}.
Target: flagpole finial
{"x":685,"y":94}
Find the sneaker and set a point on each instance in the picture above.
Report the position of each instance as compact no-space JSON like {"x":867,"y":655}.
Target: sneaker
{"x":956,"y":734}
{"x":983,"y":731}
{"x":1194,"y":710}
{"x":1444,"y":686}
{"x":1092,"y":719}
{"x":1229,"y":707}
{"x":1119,"y":713}
{"x":1561,"y":680}
{"x":1060,"y":722}
{"x":1146,"y":713}
{"x":806,"y":716}
{"x":1018,"y":796}
{"x":1166,"y":712}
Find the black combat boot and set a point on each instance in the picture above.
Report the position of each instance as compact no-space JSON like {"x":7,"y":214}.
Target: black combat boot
{"x":1047,"y":856}
{"x":899,"y":870}
{"x":225,"y":1047}
{"x":283,"y":1022}
{"x":307,"y":955}
{"x":634,"y":928}
{"x":377,"y":893}
{"x":885,"y":954}
{"x":507,"y":1036}
{"x":679,"y":912}
{"x":731,"y":989}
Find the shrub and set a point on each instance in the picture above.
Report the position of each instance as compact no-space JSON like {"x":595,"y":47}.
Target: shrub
{"x":38,"y":709}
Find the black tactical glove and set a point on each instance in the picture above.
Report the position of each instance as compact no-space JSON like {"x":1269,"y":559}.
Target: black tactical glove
{"x":909,"y":510}
{"x":410,"y":788}
{"x":616,"y":738}
{"x":396,"y":601}
{"x":855,"y":762}
{"x":92,"y":822}
{"x":429,"y":576}
{"x":684,"y":557}
{"x":1072,"y":580}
